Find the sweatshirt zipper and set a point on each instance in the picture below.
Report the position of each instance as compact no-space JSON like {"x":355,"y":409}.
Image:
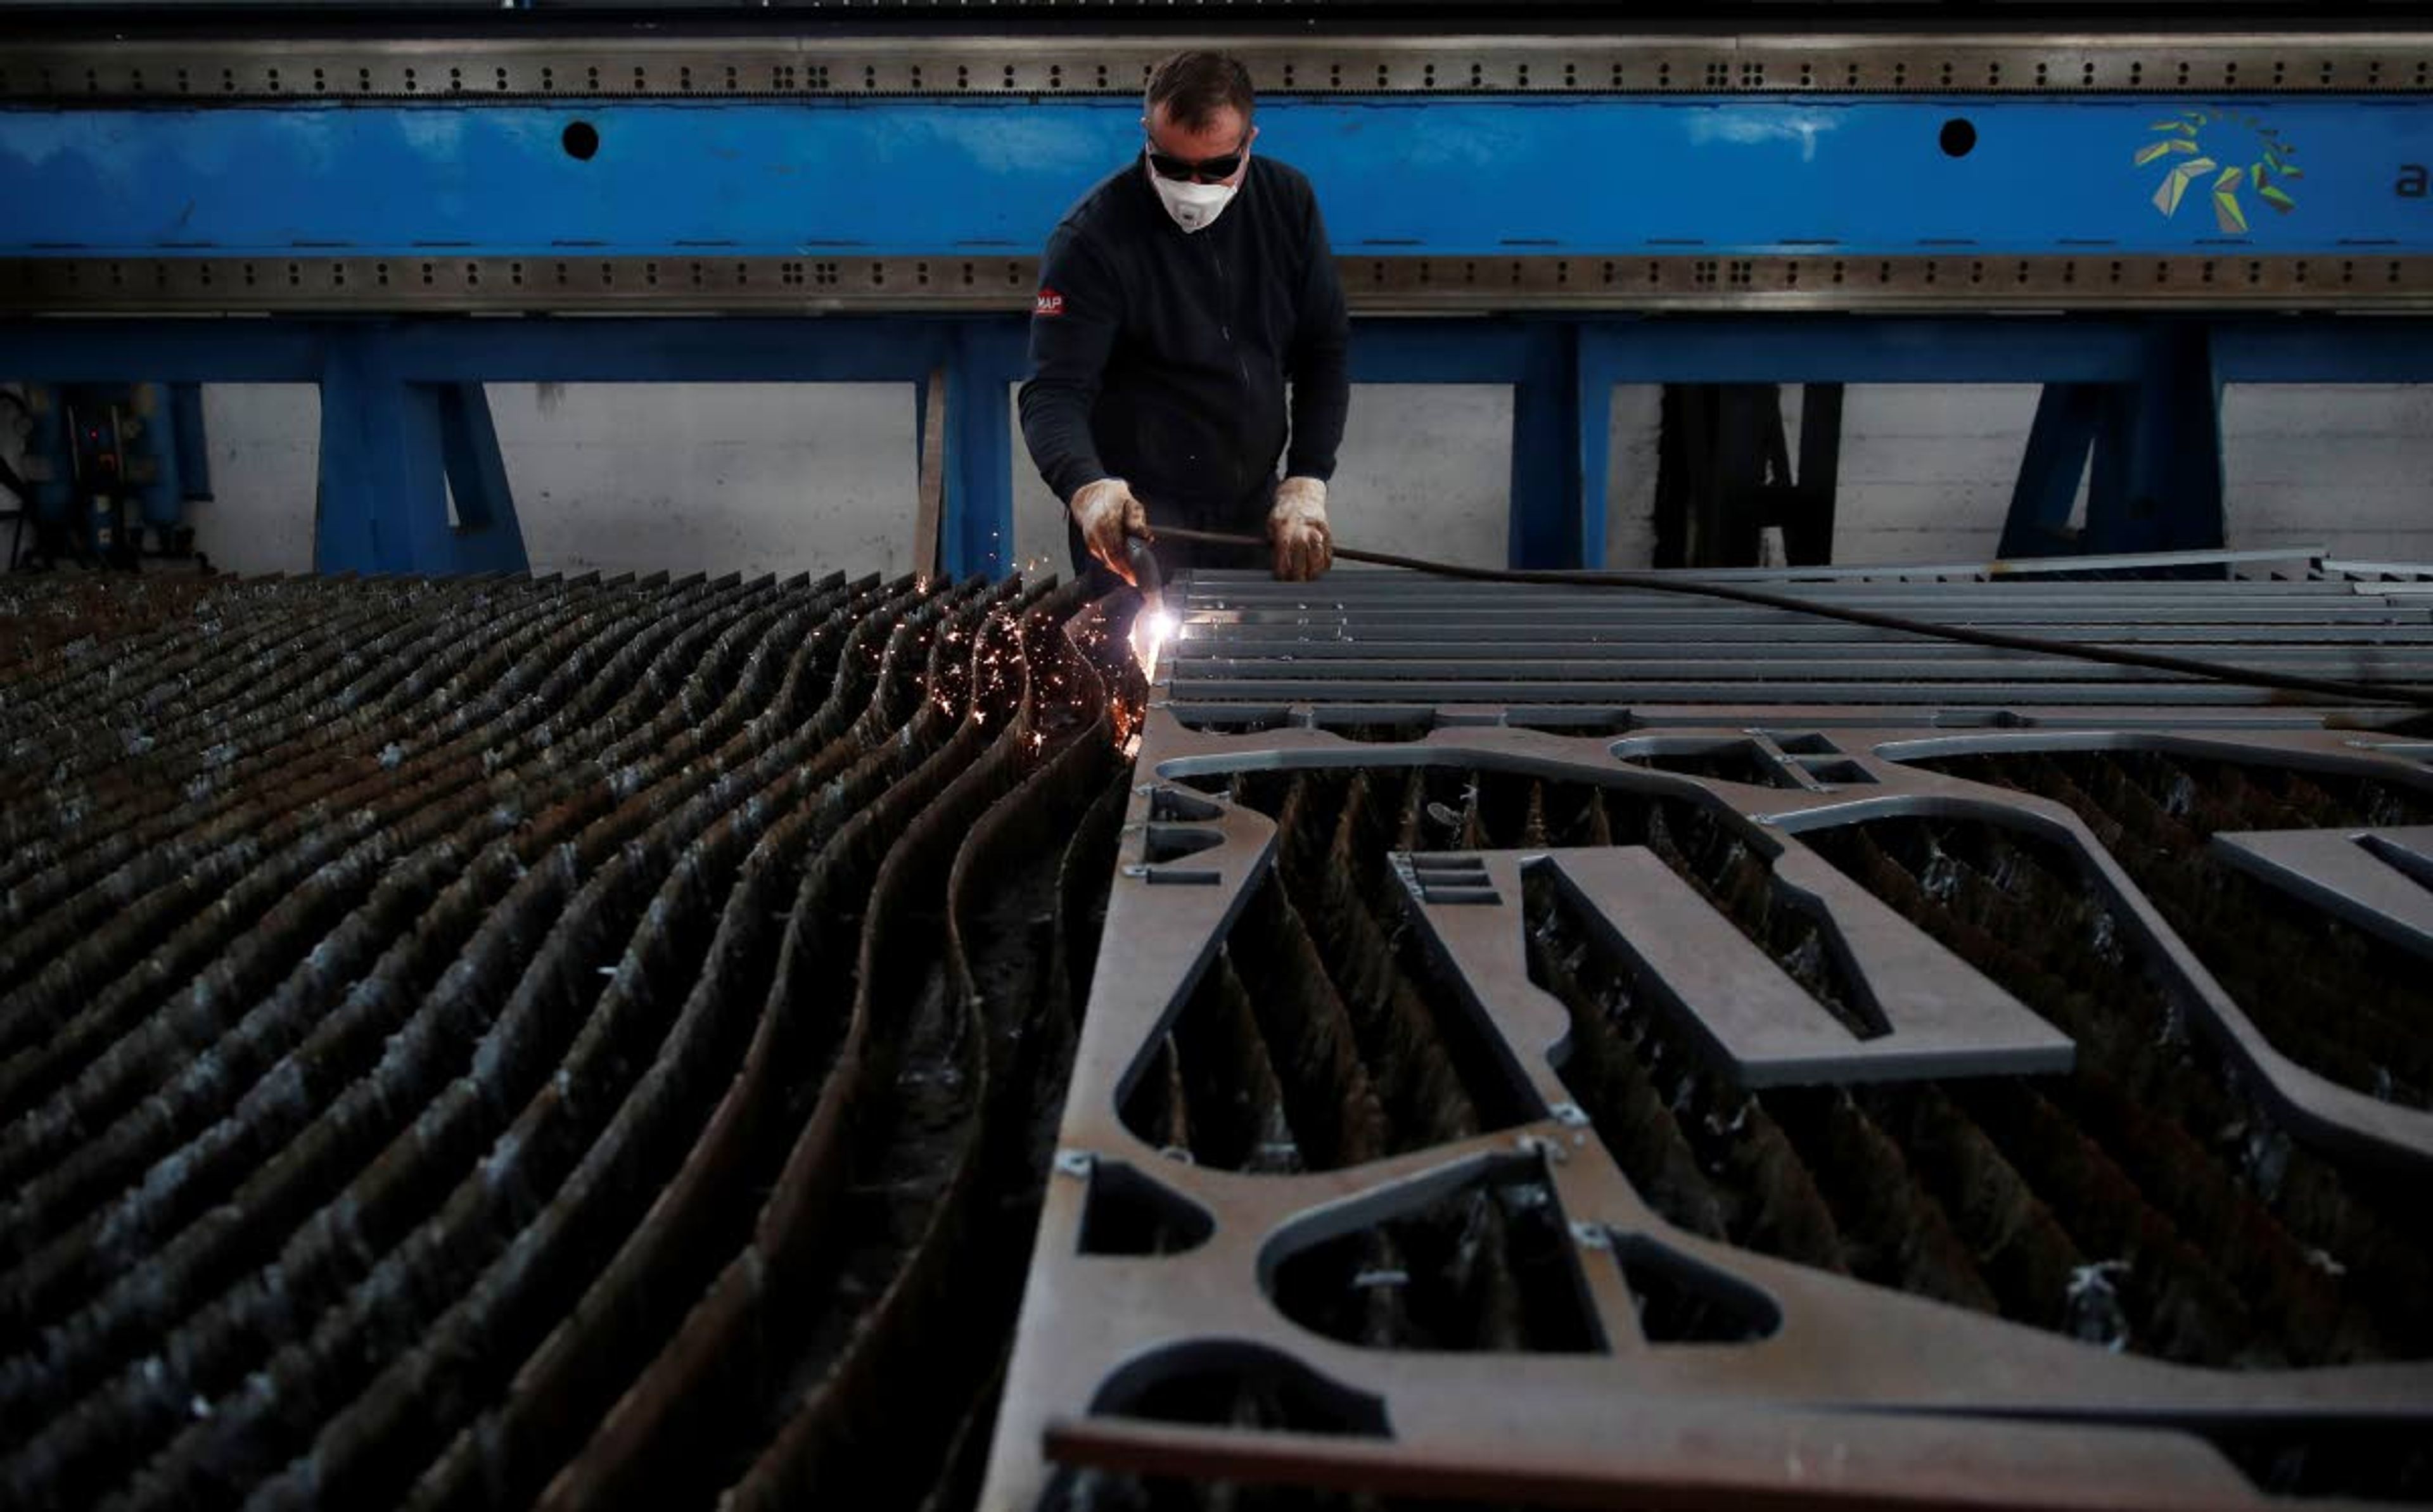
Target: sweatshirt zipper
{"x":1224,"y":317}
{"x":1225,"y":314}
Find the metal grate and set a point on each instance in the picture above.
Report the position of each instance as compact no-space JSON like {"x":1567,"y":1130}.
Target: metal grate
{"x":489,"y":1040}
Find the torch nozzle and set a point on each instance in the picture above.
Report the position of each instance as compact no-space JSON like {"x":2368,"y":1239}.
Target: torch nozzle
{"x":1144,"y":565}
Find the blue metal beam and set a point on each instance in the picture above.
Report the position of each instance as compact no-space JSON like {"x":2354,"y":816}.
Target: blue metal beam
{"x":2342,"y":350}
{"x":680,"y":349}
{"x":383,"y":501}
{"x":1859,"y":349}
{"x":1775,"y":349}
{"x":1483,"y":175}
{"x":194,"y":455}
{"x":390,"y":447}
{"x":2157,"y":480}
{"x":1389,"y":351}
{"x":2068,"y":416}
{"x":486,"y":537}
{"x":172,"y":351}
{"x":977,"y":527}
{"x":1593,"y":396}
{"x":1548,"y":509}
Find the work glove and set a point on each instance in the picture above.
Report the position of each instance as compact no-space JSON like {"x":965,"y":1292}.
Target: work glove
{"x":1297,"y":530}
{"x":1107,"y":512}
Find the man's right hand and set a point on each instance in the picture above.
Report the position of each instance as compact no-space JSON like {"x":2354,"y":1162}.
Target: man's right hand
{"x":1107,"y":512}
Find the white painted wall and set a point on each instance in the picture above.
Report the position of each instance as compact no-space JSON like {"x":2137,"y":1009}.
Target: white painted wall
{"x":756,"y":477}
{"x":266,"y":446}
{"x":806,"y":478}
{"x":1425,"y":470}
{"x":1630,"y":478}
{"x":615,"y":477}
{"x":1926,"y":469}
{"x":2351,"y":468}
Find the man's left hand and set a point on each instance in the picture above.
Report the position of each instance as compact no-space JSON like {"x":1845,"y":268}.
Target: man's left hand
{"x":1297,"y":530}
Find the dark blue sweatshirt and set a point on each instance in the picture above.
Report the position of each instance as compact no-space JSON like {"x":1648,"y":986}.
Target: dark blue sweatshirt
{"x":1162,"y":358}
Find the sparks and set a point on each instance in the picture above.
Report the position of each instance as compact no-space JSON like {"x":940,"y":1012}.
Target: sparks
{"x":1151,"y":628}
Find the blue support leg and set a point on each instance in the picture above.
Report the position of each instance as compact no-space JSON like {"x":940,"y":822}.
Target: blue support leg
{"x":1547,"y":528}
{"x":977,"y":527}
{"x":2157,"y":485}
{"x":2068,"y":418}
{"x":488,"y":538}
{"x":1592,"y":384}
{"x":159,"y":501}
{"x":383,"y":496}
{"x":194,"y":452}
{"x":389,"y":449}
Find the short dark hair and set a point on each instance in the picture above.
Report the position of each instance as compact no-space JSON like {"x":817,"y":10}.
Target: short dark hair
{"x":1195,"y":86}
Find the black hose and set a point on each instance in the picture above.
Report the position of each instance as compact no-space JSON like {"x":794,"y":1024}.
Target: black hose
{"x":1664,"y":583}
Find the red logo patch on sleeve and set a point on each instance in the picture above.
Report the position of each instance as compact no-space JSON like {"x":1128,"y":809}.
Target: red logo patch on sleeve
{"x":1048,"y":303}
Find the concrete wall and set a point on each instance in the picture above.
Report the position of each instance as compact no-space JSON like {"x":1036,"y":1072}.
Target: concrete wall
{"x":2347,"y":467}
{"x":785,"y":478}
{"x":1927,"y":471}
{"x":265,"y":443}
{"x":745,"y":476}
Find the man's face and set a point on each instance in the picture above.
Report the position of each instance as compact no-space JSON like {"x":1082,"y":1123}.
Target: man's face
{"x":1225,"y":135}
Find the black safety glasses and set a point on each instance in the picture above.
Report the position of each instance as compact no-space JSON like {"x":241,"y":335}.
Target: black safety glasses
{"x":1182,"y":170}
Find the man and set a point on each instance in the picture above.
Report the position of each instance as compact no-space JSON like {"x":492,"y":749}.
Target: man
{"x":1177,"y":300}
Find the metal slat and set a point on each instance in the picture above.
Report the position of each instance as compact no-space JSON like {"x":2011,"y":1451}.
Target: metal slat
{"x":2354,"y":612}
{"x":1215,"y":589}
{"x":1925,"y":660}
{"x":1591,"y":720}
{"x":1823,"y":638}
{"x":1743,"y":690}
{"x":303,"y":67}
{"x":1393,"y":637}
{"x":298,"y":281}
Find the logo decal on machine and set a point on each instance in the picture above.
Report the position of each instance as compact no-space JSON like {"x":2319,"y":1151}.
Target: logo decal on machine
{"x":2187,"y":156}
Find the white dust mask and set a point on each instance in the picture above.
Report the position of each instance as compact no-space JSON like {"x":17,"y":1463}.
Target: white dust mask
{"x":1194,"y":207}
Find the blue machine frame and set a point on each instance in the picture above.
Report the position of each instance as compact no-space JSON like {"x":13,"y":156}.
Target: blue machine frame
{"x":403,"y":417}
{"x":404,"y":421}
{"x":1466,"y":177}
